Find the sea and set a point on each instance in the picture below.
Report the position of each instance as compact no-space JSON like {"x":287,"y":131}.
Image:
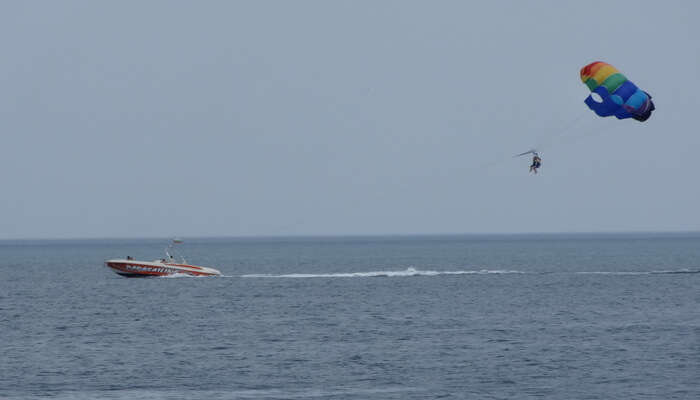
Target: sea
{"x":555,"y":316}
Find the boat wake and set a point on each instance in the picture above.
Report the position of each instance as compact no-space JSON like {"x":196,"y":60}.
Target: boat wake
{"x":177,"y":275}
{"x":390,"y":274}
{"x":417,"y":272}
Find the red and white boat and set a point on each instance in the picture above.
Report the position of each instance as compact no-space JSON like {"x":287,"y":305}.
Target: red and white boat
{"x":165,"y":266}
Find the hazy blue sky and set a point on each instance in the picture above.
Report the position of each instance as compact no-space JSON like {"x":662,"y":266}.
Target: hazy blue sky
{"x":162,"y":118}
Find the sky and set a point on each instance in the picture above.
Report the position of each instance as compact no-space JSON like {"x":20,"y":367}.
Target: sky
{"x":265,"y":118}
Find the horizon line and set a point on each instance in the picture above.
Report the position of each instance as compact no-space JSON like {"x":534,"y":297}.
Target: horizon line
{"x":358,"y":235}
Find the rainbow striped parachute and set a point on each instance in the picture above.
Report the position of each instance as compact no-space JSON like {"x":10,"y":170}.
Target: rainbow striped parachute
{"x":615,"y":94}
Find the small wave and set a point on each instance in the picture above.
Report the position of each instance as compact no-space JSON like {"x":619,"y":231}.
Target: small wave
{"x":306,"y":393}
{"x":669,"y":272}
{"x":680,"y":271}
{"x":391,"y":274}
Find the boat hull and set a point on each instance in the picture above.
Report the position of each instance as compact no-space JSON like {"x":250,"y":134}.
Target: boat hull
{"x":144,"y":269}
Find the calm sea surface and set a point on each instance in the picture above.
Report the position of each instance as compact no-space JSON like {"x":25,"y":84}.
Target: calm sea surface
{"x":475,"y":317}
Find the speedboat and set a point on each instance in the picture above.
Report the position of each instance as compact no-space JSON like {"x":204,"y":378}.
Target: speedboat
{"x":165,"y":266}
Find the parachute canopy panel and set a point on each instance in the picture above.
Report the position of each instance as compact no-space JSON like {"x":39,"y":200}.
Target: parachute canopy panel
{"x":616,"y":95}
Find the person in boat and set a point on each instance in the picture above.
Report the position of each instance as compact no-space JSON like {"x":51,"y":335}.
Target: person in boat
{"x":536,"y":163}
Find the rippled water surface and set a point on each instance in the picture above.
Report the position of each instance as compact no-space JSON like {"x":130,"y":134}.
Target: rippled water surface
{"x":484,"y":317}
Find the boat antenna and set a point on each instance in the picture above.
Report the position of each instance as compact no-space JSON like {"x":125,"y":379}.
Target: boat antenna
{"x":171,"y":248}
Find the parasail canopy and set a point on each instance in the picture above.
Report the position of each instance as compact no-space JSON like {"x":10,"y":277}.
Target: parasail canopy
{"x":613,"y":94}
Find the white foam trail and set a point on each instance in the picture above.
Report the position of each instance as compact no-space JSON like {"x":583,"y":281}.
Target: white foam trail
{"x":177,"y":275}
{"x":371,"y":274}
{"x":415,"y":272}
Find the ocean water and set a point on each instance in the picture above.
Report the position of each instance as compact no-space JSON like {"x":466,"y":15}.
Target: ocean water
{"x":456,"y":317}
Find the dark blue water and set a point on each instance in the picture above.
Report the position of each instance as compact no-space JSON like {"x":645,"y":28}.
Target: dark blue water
{"x":483,"y":317}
